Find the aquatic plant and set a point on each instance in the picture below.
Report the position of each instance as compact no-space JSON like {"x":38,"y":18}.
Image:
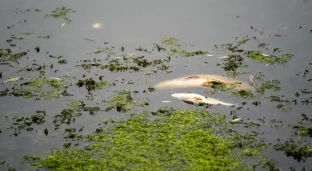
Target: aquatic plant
{"x":122,"y":101}
{"x":187,"y":140}
{"x":61,"y":13}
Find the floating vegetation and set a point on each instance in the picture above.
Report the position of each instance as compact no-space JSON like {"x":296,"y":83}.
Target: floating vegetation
{"x":6,"y":55}
{"x":43,"y":37}
{"x":122,"y":101}
{"x":242,"y":41}
{"x":90,"y":84}
{"x":27,"y":33}
{"x":185,"y":53}
{"x":297,"y":149}
{"x":187,"y":140}
{"x":61,"y":13}
{"x":66,"y":116}
{"x":34,"y":86}
{"x":106,"y":50}
{"x":257,"y":56}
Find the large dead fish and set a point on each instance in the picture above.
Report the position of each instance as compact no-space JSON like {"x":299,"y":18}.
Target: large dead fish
{"x":193,"y":98}
{"x":202,"y":80}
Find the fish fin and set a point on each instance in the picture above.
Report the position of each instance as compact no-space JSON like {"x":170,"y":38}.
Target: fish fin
{"x":188,"y":102}
{"x":192,"y":77}
{"x":197,"y":98}
{"x":187,"y":92}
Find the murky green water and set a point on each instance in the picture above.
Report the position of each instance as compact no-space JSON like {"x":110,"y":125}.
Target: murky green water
{"x":278,"y":24}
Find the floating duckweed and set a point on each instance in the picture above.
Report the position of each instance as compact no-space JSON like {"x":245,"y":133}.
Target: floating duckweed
{"x":36,"y":86}
{"x":90,"y":84}
{"x":257,"y":56}
{"x":185,"y":53}
{"x":7,"y":55}
{"x":107,"y":50}
{"x":122,"y":101}
{"x":188,"y":140}
{"x":43,"y":37}
{"x":242,"y":93}
{"x":169,"y":41}
{"x":242,"y":41}
{"x":297,"y":150}
{"x":61,"y":13}
{"x":27,"y":33}
{"x":72,"y":103}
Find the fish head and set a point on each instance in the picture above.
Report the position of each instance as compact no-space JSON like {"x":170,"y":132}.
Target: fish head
{"x":177,"y":95}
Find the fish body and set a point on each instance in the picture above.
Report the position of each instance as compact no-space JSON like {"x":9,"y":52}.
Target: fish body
{"x":189,"y":97}
{"x":201,"y":80}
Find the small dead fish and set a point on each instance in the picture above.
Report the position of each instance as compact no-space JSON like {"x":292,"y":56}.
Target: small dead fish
{"x":238,"y":120}
{"x":166,"y":101}
{"x":55,"y":78}
{"x":251,"y":78}
{"x":193,"y":98}
{"x":12,"y":79}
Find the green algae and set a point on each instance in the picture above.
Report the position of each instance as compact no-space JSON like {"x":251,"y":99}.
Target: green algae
{"x":43,"y":37}
{"x":257,"y":56}
{"x":170,"y":41}
{"x":297,"y":149}
{"x":242,"y":41}
{"x":122,"y":101}
{"x":6,"y":55}
{"x":61,"y":13}
{"x":106,"y":50}
{"x":187,"y":140}
{"x":90,"y":84}
{"x":34,"y":87}
{"x":186,"y":53}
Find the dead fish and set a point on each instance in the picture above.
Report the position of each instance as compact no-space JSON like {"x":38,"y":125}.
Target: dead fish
{"x":237,"y":120}
{"x":13,"y":79}
{"x":193,"y":98}
{"x":202,"y":80}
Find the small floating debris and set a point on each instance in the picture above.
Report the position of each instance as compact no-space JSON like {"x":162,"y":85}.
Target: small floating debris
{"x":97,"y":25}
{"x":209,"y":55}
{"x":166,"y":101}
{"x":238,"y":120}
{"x":13,"y":79}
{"x":265,"y":54}
{"x":63,"y":24}
{"x":222,"y":57}
{"x":284,"y":28}
{"x":89,"y":39}
{"x":5,"y":63}
{"x":55,"y":78}
{"x":251,"y":78}
{"x":130,"y":54}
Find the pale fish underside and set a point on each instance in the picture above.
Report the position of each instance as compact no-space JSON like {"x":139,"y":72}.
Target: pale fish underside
{"x":193,"y":98}
{"x":201,"y":80}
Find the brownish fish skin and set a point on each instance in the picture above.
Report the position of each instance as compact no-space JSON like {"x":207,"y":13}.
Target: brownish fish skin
{"x":202,"y":80}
